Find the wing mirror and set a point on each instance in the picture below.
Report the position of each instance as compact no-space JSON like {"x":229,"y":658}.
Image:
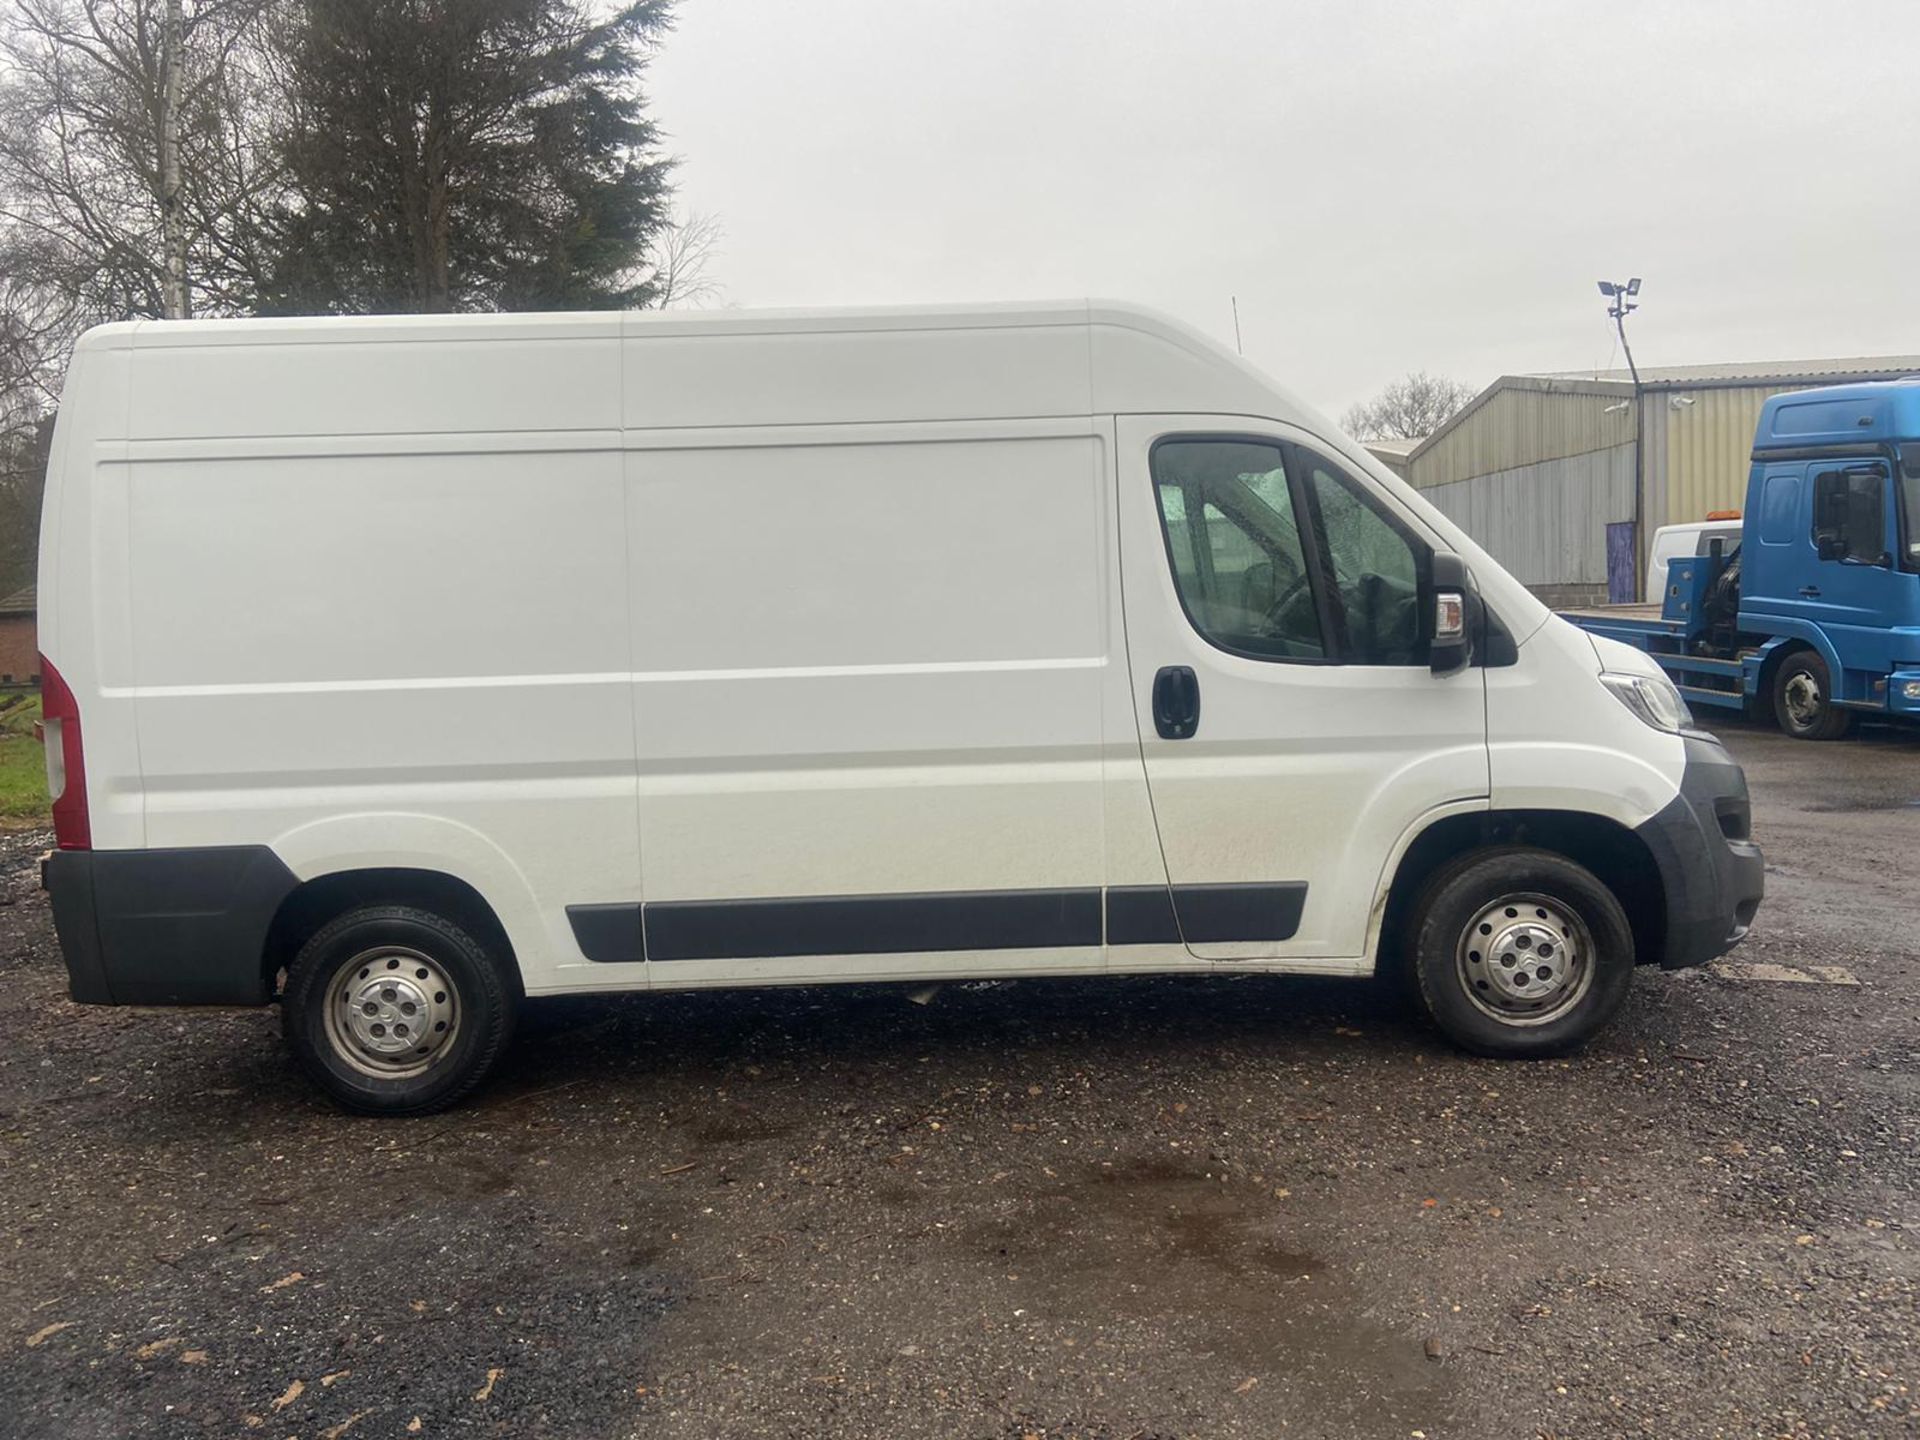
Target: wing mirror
{"x":1454,"y":618}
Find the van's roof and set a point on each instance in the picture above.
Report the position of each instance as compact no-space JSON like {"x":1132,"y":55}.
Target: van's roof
{"x":709,"y":368}
{"x":851,"y":319}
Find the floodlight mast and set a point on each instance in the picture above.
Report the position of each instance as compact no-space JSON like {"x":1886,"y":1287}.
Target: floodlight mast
{"x":1619,"y":310}
{"x":1622,"y":307}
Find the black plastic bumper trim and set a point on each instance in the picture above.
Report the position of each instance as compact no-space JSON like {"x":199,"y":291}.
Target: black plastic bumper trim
{"x":936,"y":921}
{"x":167,"y":927}
{"x":1713,"y":883}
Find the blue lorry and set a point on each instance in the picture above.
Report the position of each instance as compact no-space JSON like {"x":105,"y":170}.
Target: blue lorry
{"x":1815,"y":614}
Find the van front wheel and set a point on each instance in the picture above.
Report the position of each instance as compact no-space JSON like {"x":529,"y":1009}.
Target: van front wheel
{"x":1520,"y":952}
{"x":396,"y":1011}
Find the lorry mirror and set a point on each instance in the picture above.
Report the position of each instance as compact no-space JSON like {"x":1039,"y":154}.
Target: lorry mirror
{"x":1454,"y":617}
{"x":1830,"y":547}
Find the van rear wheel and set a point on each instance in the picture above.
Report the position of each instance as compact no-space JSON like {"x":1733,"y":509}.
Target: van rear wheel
{"x":1520,"y":952}
{"x":397,"y":1011}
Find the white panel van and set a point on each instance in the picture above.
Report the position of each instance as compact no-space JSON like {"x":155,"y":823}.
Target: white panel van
{"x":1695,"y":537}
{"x":400,"y":668}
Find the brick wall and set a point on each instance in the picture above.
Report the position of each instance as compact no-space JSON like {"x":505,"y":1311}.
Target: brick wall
{"x":19,"y":651}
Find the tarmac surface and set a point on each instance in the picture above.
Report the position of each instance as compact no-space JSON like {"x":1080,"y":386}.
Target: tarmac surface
{"x":1107,"y":1210}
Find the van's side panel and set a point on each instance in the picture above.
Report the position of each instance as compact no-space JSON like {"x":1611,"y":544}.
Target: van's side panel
{"x":395,"y":649}
{"x":400,"y":375}
{"x":869,"y":666}
{"x":713,"y":373}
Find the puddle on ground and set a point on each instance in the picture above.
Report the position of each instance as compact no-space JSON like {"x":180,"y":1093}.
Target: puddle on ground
{"x":1203,"y":1264}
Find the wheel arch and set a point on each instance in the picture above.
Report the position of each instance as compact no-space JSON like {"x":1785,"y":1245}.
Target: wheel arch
{"x":314,"y":903}
{"x":1790,"y":637}
{"x":417,"y":858}
{"x":1776,"y":654}
{"x":1618,"y":858}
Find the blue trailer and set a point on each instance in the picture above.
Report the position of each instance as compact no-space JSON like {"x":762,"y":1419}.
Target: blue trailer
{"x":1815,"y":614}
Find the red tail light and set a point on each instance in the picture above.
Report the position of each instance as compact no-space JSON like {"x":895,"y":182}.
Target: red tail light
{"x":66,"y":768}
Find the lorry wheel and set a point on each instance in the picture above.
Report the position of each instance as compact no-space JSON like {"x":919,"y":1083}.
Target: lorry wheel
{"x":397,"y":1011}
{"x":1520,"y":952}
{"x":1803,"y":699}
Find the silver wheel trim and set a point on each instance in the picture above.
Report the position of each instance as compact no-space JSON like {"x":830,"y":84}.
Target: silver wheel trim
{"x":391,"y":1012}
{"x":1525,"y":959}
{"x":1804,"y":700}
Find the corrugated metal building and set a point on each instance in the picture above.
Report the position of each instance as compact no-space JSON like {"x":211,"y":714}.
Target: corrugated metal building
{"x":1393,"y":453}
{"x":1537,"y":466}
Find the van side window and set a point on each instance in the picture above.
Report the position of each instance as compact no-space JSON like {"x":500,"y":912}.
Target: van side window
{"x":1850,"y":515}
{"x":1238,"y":560}
{"x":1378,"y":570}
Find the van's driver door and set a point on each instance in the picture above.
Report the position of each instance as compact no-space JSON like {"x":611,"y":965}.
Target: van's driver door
{"x":1293,"y":732}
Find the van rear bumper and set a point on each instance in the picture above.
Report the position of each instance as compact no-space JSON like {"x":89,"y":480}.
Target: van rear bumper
{"x":1710,"y":869}
{"x":166,"y":927}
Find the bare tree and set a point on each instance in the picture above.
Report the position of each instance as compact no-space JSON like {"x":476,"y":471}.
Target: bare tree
{"x":1409,"y":409}
{"x":96,"y":208}
{"x":680,"y":259}
{"x":173,"y":225}
{"x":133,"y":180}
{"x":28,"y":329}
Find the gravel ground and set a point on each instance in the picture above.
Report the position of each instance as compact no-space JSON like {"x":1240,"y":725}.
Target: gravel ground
{"x":1107,"y":1210}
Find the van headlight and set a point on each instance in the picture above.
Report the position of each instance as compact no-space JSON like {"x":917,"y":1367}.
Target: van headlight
{"x":1652,"y":697}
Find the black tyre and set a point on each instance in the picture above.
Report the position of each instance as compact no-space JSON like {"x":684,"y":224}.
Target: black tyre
{"x":1520,"y":952}
{"x":1803,"y":699}
{"x":397,"y":1011}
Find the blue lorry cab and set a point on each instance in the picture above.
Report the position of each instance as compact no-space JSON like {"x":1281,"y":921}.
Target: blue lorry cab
{"x":1816,"y":612}
{"x":1831,"y":556}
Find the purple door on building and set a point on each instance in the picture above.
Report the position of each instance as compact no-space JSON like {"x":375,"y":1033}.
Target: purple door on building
{"x":1623,"y":571}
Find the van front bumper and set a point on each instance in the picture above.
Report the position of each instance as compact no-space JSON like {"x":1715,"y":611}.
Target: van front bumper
{"x":166,"y":927}
{"x":1710,"y":869}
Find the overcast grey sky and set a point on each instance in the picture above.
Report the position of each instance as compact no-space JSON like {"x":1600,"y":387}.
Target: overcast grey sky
{"x":1386,"y":186}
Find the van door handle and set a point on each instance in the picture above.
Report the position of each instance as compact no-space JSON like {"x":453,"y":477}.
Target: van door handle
{"x":1176,"y":702}
{"x":1809,"y":592}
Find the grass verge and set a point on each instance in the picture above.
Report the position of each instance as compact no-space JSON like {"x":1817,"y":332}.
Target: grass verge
{"x":23,"y":766}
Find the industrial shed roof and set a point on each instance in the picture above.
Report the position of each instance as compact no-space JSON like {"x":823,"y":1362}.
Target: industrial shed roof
{"x":1754,"y":372}
{"x":1684,"y":377}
